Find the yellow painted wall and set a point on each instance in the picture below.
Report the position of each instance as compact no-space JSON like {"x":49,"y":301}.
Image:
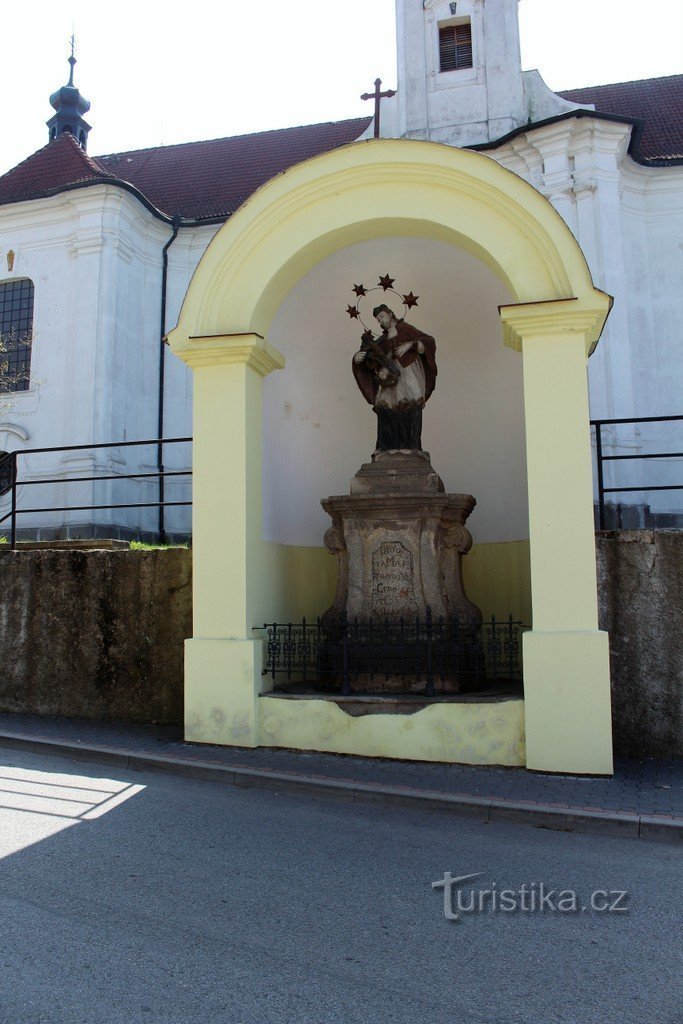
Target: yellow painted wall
{"x":303,"y":581}
{"x":454,"y":733}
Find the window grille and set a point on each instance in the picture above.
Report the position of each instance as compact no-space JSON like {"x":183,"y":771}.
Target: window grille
{"x":455,"y":47}
{"x":16,"y":331}
{"x":6,"y":473}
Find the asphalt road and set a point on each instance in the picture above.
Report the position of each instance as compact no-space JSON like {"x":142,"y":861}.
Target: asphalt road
{"x":141,"y":897}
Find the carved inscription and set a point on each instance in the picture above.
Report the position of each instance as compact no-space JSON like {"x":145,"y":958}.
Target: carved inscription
{"x":392,"y":580}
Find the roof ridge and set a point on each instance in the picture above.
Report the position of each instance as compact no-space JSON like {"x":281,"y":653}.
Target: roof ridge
{"x":608,"y":85}
{"x":64,"y":140}
{"x":225,"y":138}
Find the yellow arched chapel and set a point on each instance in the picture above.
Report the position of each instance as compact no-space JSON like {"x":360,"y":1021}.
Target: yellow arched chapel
{"x":377,"y":189}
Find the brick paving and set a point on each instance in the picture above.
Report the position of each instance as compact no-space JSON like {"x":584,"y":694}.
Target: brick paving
{"x":638,"y":788}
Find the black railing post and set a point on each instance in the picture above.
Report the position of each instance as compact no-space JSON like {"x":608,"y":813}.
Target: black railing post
{"x":346,"y":685}
{"x":288,"y":650}
{"x":493,"y":649}
{"x":430,"y":670}
{"x":13,"y":528}
{"x":510,"y":647}
{"x":304,"y":649}
{"x":601,"y":482}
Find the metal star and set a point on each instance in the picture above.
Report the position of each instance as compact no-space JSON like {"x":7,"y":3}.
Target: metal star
{"x":410,"y":299}
{"x":359,"y":290}
{"x":387,"y":282}
{"x":352,"y":311}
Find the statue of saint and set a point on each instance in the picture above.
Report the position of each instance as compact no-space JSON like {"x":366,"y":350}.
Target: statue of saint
{"x":396,"y":375}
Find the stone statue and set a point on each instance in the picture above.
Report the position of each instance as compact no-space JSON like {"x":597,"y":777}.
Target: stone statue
{"x":396,"y":375}
{"x":399,"y":539}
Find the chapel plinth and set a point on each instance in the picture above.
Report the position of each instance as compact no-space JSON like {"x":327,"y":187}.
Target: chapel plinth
{"x":399,"y":540}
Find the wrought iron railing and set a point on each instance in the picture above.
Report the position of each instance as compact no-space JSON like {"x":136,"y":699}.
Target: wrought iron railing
{"x":11,"y":481}
{"x":432,"y":653}
{"x":602,"y":458}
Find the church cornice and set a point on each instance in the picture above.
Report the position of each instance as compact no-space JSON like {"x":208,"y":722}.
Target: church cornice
{"x":637,"y":125}
{"x":117,"y":183}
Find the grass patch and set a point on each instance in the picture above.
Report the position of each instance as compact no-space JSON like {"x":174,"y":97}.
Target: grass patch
{"x":140,"y":545}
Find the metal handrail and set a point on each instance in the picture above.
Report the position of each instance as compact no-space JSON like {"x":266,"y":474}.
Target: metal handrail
{"x":601,"y":459}
{"x":13,"y":457}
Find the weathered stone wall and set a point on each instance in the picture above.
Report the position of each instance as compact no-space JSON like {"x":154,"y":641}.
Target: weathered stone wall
{"x":99,"y":634}
{"x":95,"y":634}
{"x":640,"y":586}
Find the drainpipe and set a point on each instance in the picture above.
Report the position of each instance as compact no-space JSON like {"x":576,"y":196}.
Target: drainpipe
{"x":175,"y":222}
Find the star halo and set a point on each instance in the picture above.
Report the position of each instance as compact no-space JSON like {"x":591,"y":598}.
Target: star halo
{"x":365,"y":297}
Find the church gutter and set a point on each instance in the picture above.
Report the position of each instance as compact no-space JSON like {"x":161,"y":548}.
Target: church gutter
{"x":186,"y":222}
{"x":176,"y":222}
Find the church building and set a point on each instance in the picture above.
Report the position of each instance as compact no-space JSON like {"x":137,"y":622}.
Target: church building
{"x":94,"y":250}
{"x":522,"y":229}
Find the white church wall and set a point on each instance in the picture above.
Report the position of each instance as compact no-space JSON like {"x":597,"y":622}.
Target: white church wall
{"x":95,"y":257}
{"x":183,"y":257}
{"x":52,"y":243}
{"x":318,"y":429}
{"x":628,"y":220}
{"x":467,"y":105}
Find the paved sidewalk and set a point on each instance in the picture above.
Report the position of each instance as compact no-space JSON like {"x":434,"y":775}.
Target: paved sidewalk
{"x":642,"y":799}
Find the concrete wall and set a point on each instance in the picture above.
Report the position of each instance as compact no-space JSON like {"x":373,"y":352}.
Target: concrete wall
{"x":100,"y":634}
{"x":640,"y":587}
{"x":95,"y":634}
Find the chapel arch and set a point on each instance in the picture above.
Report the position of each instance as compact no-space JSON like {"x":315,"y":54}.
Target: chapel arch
{"x":556,"y":317}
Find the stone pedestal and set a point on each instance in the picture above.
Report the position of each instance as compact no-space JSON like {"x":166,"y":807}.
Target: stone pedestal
{"x":399,"y":540}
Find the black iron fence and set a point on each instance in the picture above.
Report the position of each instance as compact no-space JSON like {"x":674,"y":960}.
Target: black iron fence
{"x":11,"y":480}
{"x":602,"y":459}
{"x":434,"y":654}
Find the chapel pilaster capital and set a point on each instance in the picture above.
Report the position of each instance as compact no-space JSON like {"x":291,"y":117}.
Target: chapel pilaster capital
{"x":246,"y":349}
{"x":583,"y":318}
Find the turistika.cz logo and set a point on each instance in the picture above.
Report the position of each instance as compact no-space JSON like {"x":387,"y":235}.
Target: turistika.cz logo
{"x":528,"y":898}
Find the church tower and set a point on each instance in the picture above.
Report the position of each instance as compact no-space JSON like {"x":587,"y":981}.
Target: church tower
{"x":459,"y":70}
{"x":70,"y":107}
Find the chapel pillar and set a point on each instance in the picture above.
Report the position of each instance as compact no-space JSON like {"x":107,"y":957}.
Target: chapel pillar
{"x":566,"y":656}
{"x":222,"y":659}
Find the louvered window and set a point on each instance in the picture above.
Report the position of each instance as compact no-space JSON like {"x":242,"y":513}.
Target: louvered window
{"x":16,"y":331}
{"x":455,"y":47}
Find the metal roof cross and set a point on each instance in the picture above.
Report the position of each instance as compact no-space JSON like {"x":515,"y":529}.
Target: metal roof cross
{"x":377,"y":95}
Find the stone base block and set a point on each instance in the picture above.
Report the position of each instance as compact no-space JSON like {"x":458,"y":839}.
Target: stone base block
{"x":222,"y":681}
{"x":567,"y":702}
{"x":397,"y":472}
{"x":463,"y":733}
{"x":399,"y":554}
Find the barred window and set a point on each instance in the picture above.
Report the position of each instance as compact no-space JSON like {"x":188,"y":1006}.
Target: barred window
{"x":455,"y":47}
{"x":16,"y":332}
{"x":6,"y":473}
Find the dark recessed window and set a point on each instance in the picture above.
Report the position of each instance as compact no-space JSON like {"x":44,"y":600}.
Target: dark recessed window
{"x":5,"y":473}
{"x":455,"y":47}
{"x":16,"y":331}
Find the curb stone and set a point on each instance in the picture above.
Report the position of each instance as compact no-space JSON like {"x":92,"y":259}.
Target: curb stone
{"x":489,"y":809}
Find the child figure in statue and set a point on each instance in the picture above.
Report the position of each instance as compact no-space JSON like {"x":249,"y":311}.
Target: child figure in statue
{"x":396,"y":375}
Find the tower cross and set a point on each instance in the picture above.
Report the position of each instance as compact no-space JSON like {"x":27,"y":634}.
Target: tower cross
{"x":377,"y":95}
{"x":72,"y":59}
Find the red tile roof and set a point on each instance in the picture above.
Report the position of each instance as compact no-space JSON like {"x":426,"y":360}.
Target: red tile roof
{"x":60,"y":163}
{"x":656,"y":101}
{"x":198,"y":180}
{"x":212,"y":179}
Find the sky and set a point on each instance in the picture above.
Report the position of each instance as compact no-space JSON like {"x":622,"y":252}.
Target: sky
{"x":158,"y":73}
